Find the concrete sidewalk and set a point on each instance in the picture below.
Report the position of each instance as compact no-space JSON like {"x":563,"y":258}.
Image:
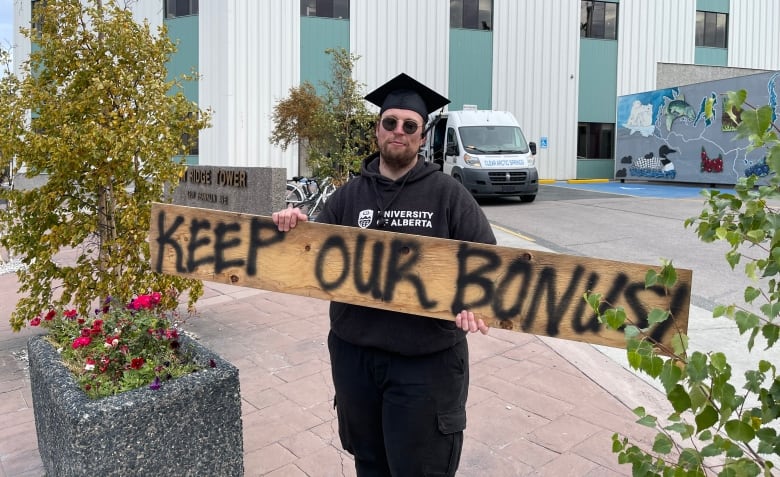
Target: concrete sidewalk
{"x":537,"y":406}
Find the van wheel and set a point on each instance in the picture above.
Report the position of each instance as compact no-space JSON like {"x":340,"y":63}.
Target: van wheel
{"x":458,"y":178}
{"x":527,"y":198}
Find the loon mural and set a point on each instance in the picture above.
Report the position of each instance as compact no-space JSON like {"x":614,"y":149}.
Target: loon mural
{"x":690,"y":132}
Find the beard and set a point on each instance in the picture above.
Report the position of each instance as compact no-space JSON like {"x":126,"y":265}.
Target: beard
{"x":396,"y":158}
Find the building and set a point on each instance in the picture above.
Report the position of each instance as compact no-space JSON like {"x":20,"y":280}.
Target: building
{"x":558,"y":65}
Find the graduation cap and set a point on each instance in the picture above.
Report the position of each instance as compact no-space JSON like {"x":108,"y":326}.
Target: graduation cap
{"x":405,"y":92}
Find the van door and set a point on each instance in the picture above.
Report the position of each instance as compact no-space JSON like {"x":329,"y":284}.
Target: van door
{"x":451,"y":151}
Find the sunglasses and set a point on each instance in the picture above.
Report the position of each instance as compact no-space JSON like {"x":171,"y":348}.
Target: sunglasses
{"x":409,"y":126}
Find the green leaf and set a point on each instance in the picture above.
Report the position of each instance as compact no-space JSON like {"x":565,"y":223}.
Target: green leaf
{"x":651,"y":278}
{"x":706,"y":418}
{"x":657,"y":316}
{"x":711,"y":450}
{"x":739,"y":431}
{"x":634,"y":359}
{"x":648,"y":421}
{"x":652,"y":365}
{"x":679,"y":344}
{"x":718,"y":361}
{"x":697,"y":367}
{"x":670,"y":375}
{"x":689,"y":458}
{"x":615,"y":318}
{"x":679,"y":398}
{"x":745,"y":321}
{"x":631,"y":331}
{"x":771,"y":333}
{"x":751,"y":294}
{"x":771,"y":309}
{"x":662,"y":444}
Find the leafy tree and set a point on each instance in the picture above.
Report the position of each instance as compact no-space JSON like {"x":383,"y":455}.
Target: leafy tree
{"x":94,"y":111}
{"x":336,"y":129}
{"x":716,"y":429}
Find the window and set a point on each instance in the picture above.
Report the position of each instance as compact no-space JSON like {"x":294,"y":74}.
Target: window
{"x":180,"y":8}
{"x":711,"y":29}
{"x":595,"y":141}
{"x":37,"y":21}
{"x":325,"y":8}
{"x":598,"y":19}
{"x":471,"y":14}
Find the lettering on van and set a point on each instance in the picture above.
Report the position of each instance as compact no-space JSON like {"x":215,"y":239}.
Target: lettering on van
{"x":487,"y":162}
{"x":513,"y":289}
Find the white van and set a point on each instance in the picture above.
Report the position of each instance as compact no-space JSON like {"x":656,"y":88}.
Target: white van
{"x":485,"y":151}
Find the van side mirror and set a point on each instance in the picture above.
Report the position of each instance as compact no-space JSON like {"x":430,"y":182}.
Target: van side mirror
{"x":452,"y":149}
{"x":532,"y":146}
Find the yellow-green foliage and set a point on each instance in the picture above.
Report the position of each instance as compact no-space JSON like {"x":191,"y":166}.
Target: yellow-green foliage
{"x":336,"y":128}
{"x":95,"y":111}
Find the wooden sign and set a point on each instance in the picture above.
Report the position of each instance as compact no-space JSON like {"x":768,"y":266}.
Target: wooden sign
{"x":522,"y":290}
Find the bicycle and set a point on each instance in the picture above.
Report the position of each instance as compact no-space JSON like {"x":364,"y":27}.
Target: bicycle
{"x":308,"y":194}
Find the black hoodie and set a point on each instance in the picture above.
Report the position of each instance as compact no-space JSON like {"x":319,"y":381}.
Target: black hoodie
{"x":423,"y":202}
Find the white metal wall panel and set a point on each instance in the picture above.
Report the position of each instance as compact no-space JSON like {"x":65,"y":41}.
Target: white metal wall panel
{"x":249,"y":58}
{"x":753,"y":37}
{"x":535,"y":69}
{"x":151,"y":10}
{"x":401,"y":36}
{"x":21,"y":46}
{"x":652,"y":31}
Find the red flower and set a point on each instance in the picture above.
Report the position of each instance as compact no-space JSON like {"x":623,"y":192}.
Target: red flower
{"x":70,"y":314}
{"x":142,"y":302}
{"x":171,"y":334}
{"x":50,"y":315}
{"x":81,"y":341}
{"x":90,"y":364}
{"x":137,"y":363}
{"x":155,"y":297}
{"x":35,"y":321}
{"x":86,"y":332}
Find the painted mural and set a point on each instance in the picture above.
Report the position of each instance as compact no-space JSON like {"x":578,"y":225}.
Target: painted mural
{"x":683,"y":134}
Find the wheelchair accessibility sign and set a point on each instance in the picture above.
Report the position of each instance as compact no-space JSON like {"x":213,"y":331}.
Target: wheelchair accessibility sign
{"x":543,"y":142}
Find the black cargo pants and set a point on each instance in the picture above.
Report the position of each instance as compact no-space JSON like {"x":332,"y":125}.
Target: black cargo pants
{"x":400,"y":416}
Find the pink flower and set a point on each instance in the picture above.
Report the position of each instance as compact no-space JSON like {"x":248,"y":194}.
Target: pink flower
{"x":156,"y":297}
{"x":90,"y":364}
{"x":81,"y":341}
{"x":112,"y":341}
{"x":35,"y":321}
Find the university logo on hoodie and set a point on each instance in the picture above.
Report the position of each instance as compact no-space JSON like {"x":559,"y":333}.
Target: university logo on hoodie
{"x":365,"y":218}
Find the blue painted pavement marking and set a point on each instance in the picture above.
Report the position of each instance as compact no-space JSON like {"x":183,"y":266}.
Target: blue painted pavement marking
{"x":668,"y":191}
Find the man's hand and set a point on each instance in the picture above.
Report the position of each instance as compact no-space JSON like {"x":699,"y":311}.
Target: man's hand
{"x":466,"y":321}
{"x":287,"y":219}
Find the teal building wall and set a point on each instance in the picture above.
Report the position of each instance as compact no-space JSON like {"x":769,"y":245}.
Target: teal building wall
{"x":597,"y":98}
{"x":185,"y":33}
{"x":471,"y":68}
{"x":317,"y":35}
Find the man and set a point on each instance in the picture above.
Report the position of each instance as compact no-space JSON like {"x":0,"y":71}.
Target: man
{"x":401,"y":380}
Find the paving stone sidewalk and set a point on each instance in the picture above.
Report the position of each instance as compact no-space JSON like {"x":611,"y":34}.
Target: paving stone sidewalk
{"x":537,"y":406}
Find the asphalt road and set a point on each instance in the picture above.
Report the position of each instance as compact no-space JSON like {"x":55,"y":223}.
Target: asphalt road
{"x":638,"y":223}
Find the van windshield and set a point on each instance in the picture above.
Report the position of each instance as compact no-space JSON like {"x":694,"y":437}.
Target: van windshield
{"x":493,"y":139}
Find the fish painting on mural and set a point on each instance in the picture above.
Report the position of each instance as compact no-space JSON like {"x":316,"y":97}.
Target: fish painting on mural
{"x":678,"y":108}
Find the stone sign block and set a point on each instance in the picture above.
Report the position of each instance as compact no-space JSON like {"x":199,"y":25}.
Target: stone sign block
{"x":249,"y":190}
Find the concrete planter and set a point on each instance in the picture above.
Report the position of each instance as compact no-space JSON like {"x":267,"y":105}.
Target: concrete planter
{"x":190,"y":426}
